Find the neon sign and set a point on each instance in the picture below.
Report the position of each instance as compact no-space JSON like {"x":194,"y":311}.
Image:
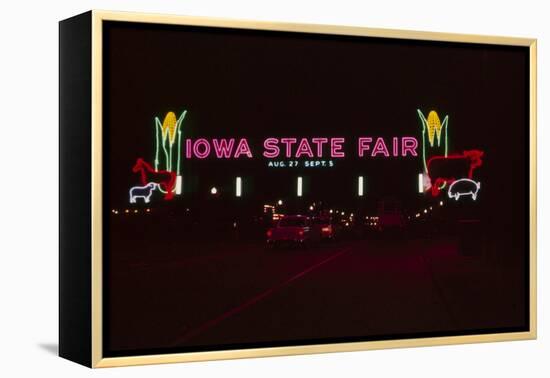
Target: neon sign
{"x":168,"y":129}
{"x":296,"y":148}
{"x":434,"y":128}
{"x":165,"y":179}
{"x":144,"y":192}
{"x":281,"y":152}
{"x":464,"y":187}
{"x":445,"y":170}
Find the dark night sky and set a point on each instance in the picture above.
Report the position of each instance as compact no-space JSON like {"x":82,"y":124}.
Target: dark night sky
{"x":257,"y":84}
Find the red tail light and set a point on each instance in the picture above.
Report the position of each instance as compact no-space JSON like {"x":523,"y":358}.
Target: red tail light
{"x":301,"y":232}
{"x":269,"y":233}
{"x":326,"y":230}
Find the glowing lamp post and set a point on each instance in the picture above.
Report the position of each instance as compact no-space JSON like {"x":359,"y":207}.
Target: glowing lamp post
{"x":238,"y":187}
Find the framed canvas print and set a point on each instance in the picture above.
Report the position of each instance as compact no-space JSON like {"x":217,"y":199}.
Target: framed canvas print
{"x":235,"y":189}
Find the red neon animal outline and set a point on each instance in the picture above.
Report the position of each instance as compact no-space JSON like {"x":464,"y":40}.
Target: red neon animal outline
{"x":473,"y":158}
{"x":165,"y":179}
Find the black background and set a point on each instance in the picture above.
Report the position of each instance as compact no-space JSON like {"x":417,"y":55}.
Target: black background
{"x":254,"y":84}
{"x":258,"y":84}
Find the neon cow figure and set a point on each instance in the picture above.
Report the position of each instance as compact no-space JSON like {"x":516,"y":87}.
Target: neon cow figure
{"x":144,"y":192}
{"x":165,"y":179}
{"x":464,"y":187}
{"x":443,"y":170}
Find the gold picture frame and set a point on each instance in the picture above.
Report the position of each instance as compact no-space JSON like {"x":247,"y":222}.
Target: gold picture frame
{"x":98,"y":17}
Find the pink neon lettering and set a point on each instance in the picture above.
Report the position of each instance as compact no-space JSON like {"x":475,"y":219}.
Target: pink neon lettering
{"x":380,"y":148}
{"x":223,"y":147}
{"x":304,"y":149}
{"x":188,"y":147}
{"x":363,"y":145}
{"x":288,"y":142}
{"x":243,"y":149}
{"x":409,"y":144}
{"x":395,"y":146}
{"x":336,"y":147}
{"x":271,"y":150}
{"x":319,"y":142}
{"x":206,"y":151}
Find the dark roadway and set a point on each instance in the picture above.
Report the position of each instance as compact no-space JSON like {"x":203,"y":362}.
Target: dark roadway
{"x":207,"y":295}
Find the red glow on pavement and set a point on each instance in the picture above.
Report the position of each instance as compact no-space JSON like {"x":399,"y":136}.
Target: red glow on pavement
{"x":209,"y":324}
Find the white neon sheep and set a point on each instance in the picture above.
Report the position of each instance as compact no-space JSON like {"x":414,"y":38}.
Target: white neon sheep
{"x":144,"y":192}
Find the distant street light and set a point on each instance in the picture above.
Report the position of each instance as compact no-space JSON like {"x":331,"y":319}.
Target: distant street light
{"x":213,"y":190}
{"x":280,"y":202}
{"x":238,"y":186}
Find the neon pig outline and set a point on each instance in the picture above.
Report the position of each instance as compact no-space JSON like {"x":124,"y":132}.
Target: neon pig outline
{"x":457,"y":195}
{"x":438,"y":183}
{"x":144,"y":192}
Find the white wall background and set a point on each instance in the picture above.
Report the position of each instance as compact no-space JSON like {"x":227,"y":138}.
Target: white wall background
{"x":28,"y":185}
